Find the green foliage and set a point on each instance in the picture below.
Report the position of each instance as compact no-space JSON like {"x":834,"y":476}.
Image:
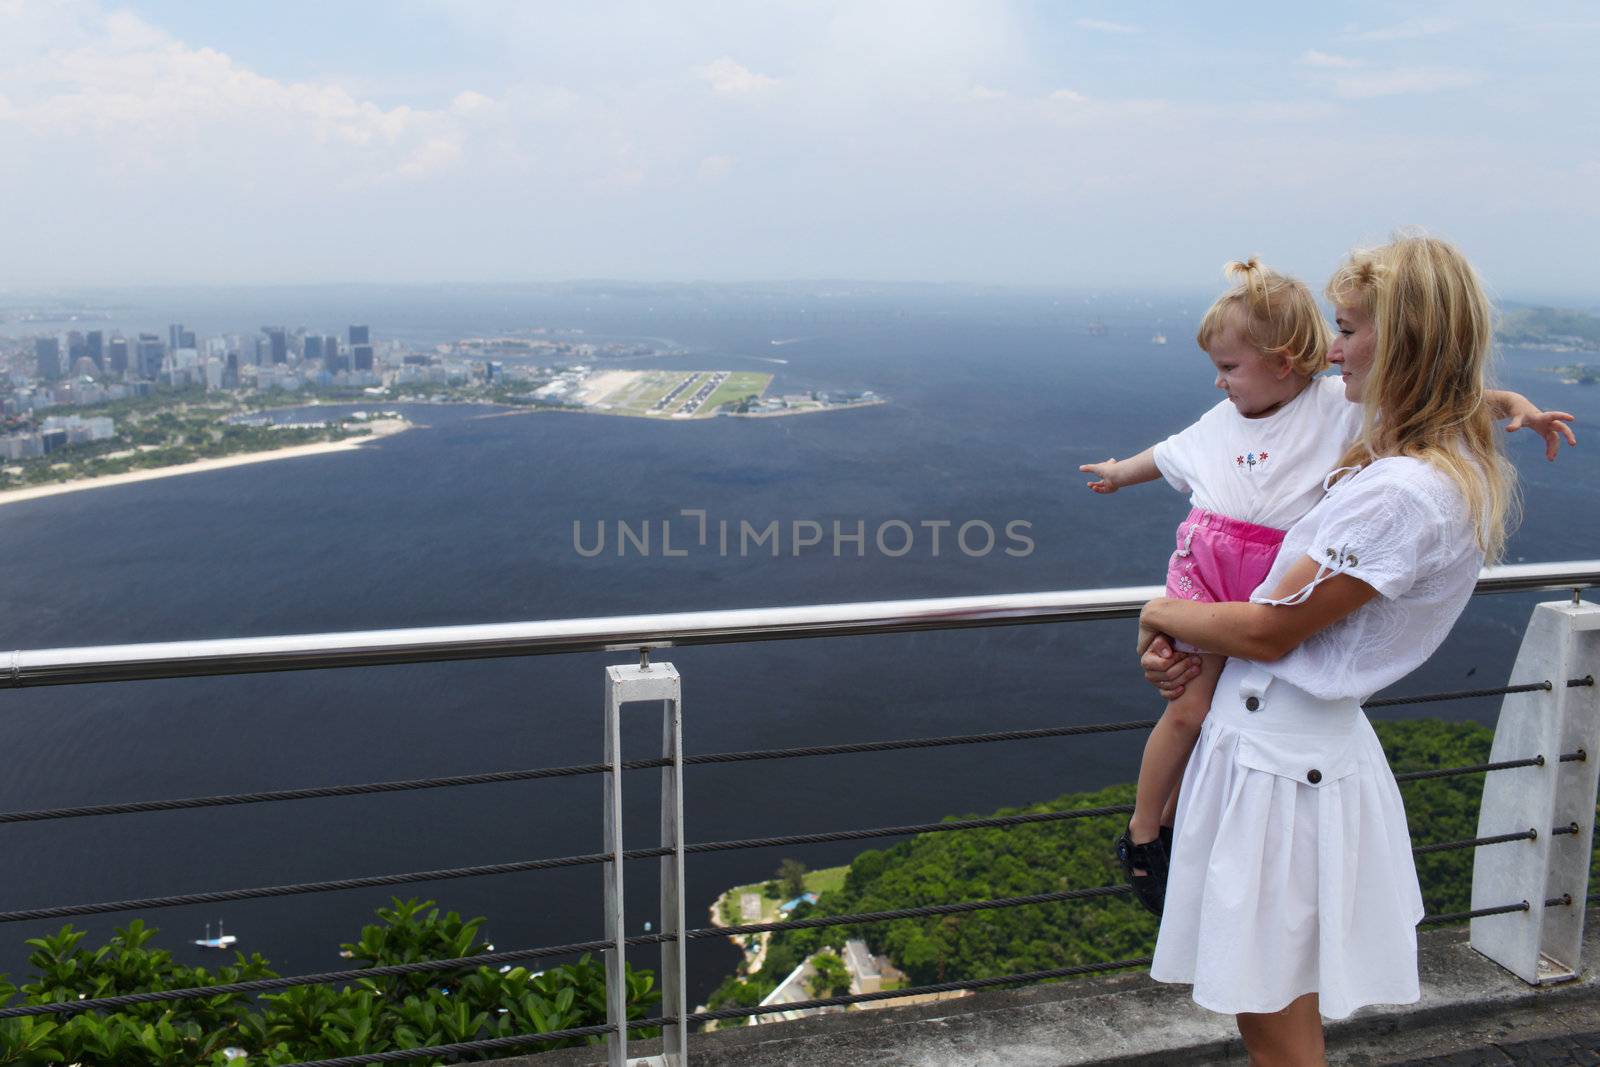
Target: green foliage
{"x":738,"y":992}
{"x":829,"y":975}
{"x":171,"y":427}
{"x":1077,"y":853}
{"x":792,"y":877}
{"x":303,"y":1022}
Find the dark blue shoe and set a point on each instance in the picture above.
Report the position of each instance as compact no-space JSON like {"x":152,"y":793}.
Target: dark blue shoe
{"x":1150,"y":858}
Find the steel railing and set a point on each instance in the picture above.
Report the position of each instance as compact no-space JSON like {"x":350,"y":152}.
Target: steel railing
{"x":433,"y":644}
{"x":641,"y":633}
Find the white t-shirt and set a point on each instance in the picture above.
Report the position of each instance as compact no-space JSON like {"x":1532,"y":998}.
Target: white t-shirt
{"x":1268,"y":471}
{"x":1402,"y":527}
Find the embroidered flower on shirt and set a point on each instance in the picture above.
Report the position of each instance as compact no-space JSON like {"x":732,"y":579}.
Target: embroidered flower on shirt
{"x":1238,"y":461}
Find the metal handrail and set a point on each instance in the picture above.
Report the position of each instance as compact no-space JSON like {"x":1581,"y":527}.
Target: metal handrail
{"x":432,"y":644}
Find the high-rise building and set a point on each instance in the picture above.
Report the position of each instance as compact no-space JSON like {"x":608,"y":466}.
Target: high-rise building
{"x":175,"y":335}
{"x":359,"y":335}
{"x":361,"y":356}
{"x":148,"y":355}
{"x":119,"y":355}
{"x":96,"y":344}
{"x":77,"y":348}
{"x":47,"y":351}
{"x":313,"y":346}
{"x":185,"y":339}
{"x":332,"y":358}
{"x":277,"y":343}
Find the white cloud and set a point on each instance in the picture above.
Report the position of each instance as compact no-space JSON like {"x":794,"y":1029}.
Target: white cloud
{"x":130,"y":89}
{"x":1400,"y":81}
{"x":439,"y":153}
{"x":1313,"y":58}
{"x":1105,"y":26}
{"x":726,"y":76}
{"x":471,"y":103}
{"x":588,"y":131}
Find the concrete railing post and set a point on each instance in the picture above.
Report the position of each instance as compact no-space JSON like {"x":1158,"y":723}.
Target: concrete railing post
{"x":1542,"y":944}
{"x":628,"y":685}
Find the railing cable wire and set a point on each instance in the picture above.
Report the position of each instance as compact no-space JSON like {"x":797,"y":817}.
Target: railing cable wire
{"x":219,"y":896}
{"x":1475,"y":768}
{"x":1460,"y":694}
{"x":496,"y":777}
{"x":1457,"y":916}
{"x":488,"y":959}
{"x":1473,"y":842}
{"x":707,"y":758}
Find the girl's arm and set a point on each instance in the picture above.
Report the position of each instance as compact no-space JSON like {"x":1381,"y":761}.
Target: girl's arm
{"x":1551,"y":425}
{"x":1114,"y":474}
{"x":1260,"y":632}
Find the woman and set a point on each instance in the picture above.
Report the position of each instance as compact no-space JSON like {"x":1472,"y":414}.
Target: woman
{"x":1291,"y":893}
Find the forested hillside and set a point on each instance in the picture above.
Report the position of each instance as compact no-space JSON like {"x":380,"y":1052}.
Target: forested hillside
{"x":978,"y":864}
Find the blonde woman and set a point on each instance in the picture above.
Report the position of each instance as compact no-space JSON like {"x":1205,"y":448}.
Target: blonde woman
{"x":1291,"y":893}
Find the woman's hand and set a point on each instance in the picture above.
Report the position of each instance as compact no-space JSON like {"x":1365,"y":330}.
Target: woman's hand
{"x":1164,"y":667}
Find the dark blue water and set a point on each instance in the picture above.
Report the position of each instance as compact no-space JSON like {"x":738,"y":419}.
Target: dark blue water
{"x":996,"y":398}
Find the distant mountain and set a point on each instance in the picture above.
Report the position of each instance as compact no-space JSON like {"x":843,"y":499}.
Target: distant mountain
{"x":1550,"y":326}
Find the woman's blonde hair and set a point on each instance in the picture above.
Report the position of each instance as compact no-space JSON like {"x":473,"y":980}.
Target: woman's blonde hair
{"x":1277,"y":313}
{"x":1424,"y":394}
{"x":1355,"y":284}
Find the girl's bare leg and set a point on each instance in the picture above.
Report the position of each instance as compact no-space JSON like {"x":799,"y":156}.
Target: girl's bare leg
{"x":1167,"y":750}
{"x":1288,"y":1038}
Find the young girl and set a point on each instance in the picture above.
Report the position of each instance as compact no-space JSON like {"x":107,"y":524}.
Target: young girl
{"x":1253,"y":466}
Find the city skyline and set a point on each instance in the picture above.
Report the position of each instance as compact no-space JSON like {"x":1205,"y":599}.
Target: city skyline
{"x":1009,"y":144}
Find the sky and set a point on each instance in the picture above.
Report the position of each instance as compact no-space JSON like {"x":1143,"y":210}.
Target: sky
{"x":1106,"y":146}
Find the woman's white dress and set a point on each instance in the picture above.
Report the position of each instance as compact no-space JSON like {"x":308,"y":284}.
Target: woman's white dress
{"x":1291,"y":869}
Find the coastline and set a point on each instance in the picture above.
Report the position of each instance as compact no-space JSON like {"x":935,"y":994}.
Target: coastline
{"x":380,"y":428}
{"x":788,"y":413}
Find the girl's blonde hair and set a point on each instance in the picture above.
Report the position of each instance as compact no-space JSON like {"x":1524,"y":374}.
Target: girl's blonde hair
{"x":1277,"y":313}
{"x":1424,"y":395}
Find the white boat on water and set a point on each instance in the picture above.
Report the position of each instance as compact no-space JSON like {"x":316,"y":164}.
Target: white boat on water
{"x":1159,"y":339}
{"x":222,"y":940}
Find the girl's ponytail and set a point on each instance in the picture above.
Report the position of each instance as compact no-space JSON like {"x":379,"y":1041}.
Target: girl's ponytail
{"x":1276,"y":313}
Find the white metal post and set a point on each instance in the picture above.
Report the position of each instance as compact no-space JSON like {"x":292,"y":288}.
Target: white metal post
{"x":674,"y":1003}
{"x":1542,"y":944}
{"x":628,"y":685}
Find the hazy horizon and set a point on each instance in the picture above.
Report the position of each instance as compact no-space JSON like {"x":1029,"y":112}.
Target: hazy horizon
{"x":1015,"y":144}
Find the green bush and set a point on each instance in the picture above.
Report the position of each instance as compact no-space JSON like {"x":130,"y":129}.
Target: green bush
{"x":302,"y":1022}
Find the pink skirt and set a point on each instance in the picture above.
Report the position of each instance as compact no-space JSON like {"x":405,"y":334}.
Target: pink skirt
{"x":1219,"y":559}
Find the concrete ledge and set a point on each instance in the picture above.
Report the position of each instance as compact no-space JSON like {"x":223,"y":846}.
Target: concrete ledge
{"x":1467,"y":1003}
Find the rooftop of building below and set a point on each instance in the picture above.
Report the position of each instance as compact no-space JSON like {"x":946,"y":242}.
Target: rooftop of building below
{"x":1472,"y":1012}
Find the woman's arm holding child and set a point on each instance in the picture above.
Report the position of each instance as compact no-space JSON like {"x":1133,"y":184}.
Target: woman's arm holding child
{"x":1260,"y":632}
{"x":1550,"y":425}
{"x":1115,"y":474}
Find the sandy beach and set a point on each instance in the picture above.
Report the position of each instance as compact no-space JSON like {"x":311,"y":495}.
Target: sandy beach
{"x":379,"y":427}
